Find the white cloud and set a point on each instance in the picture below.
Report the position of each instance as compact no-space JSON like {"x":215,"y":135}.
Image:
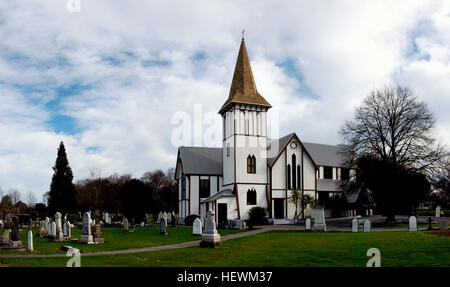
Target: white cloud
{"x":133,"y":65}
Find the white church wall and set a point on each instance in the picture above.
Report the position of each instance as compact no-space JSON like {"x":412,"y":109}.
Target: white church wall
{"x":261,"y":198}
{"x":246,"y":146}
{"x":279,"y":173}
{"x":278,"y":193}
{"x":309,"y":173}
{"x":228,"y":161}
{"x":194,"y":200}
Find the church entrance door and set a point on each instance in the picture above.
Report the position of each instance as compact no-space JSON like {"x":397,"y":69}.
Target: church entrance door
{"x":222,"y":213}
{"x":278,"y":208}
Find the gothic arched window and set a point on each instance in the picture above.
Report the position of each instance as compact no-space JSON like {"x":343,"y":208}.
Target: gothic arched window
{"x":251,"y":164}
{"x":294,"y":181}
{"x":251,"y":197}
{"x":299,"y":176}
{"x":289,"y":176}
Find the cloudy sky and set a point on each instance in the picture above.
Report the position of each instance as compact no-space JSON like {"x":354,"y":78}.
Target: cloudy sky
{"x":114,"y":80}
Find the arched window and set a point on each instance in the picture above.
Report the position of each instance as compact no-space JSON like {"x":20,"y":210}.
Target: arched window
{"x":251,"y":164}
{"x":294,"y":181}
{"x":251,"y":197}
{"x":299,"y":177}
{"x":289,"y":176}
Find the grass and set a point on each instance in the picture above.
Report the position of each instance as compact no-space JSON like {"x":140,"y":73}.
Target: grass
{"x":115,"y":239}
{"x":284,"y":248}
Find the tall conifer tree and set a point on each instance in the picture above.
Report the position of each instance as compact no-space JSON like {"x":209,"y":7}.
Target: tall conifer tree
{"x":62,"y":190}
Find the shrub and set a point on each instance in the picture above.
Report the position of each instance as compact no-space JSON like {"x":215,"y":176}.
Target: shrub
{"x":258,"y":215}
{"x":189,"y":220}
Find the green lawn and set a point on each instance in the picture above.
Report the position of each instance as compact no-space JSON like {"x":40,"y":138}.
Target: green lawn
{"x":284,"y":248}
{"x":115,"y":239}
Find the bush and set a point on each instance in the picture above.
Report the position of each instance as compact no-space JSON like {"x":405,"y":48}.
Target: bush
{"x":189,"y":220}
{"x":258,"y":215}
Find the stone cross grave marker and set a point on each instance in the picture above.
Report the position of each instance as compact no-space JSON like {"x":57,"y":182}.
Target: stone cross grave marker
{"x":210,"y":237}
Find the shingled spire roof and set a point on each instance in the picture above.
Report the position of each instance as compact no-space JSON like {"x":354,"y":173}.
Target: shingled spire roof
{"x":243,"y":88}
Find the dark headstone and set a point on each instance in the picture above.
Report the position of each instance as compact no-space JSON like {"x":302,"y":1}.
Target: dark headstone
{"x":429,"y":223}
{"x":15,"y":236}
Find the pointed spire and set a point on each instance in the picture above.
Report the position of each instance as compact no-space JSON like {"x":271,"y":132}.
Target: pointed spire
{"x":243,"y":87}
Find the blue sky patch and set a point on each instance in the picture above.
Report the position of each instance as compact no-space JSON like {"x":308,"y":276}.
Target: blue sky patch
{"x":290,"y":68}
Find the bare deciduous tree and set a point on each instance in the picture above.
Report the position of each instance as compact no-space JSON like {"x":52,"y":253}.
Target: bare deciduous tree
{"x":31,"y":199}
{"x":398,"y":128}
{"x":15,"y":195}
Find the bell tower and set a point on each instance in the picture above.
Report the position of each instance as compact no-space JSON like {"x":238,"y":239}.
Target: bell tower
{"x":244,"y":118}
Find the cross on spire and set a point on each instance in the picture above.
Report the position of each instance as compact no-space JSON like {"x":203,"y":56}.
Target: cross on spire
{"x":243,"y":31}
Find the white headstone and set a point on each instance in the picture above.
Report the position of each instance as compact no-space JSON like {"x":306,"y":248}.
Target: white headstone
{"x":412,"y":223}
{"x":319,"y":220}
{"x":47,"y":224}
{"x":59,"y":230}
{"x":142,"y":224}
{"x":159,"y":217}
{"x":438,"y":211}
{"x":366,"y":226}
{"x":355,"y":225}
{"x":30,"y":241}
{"x":371,"y":212}
{"x":197,"y":227}
{"x":53,"y":224}
{"x":443,"y":224}
{"x":243,"y":225}
{"x":308,"y":224}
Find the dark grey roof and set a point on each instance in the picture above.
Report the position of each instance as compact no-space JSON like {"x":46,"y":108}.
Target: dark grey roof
{"x":328,"y":155}
{"x":223,"y":193}
{"x":281,"y":143}
{"x":201,"y":160}
{"x":329,"y":185}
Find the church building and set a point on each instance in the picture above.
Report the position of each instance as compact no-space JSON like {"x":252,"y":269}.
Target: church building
{"x":250,"y":169}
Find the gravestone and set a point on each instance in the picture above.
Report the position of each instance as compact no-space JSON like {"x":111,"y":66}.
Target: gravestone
{"x":15,"y":235}
{"x":125,"y":223}
{"x":371,"y":212}
{"x":163,"y":226}
{"x":30,"y":241}
{"x":165,"y":217}
{"x":243,"y":225}
{"x":43,"y":232}
{"x":210,"y":237}
{"x":4,"y":241}
{"x":174,"y":219}
{"x":412,"y":223}
{"x":366,"y":225}
{"x":142,"y":223}
{"x":443,"y":224}
{"x":131,"y":229}
{"x":59,"y":230}
{"x":355,"y":225}
{"x":47,"y":225}
{"x":159,"y":217}
{"x":308,"y":224}
{"x":86,"y":236}
{"x":97,"y":234}
{"x":67,"y":231}
{"x":319,"y":220}
{"x":438,"y":211}
{"x":107,"y":218}
{"x":53,"y":225}
{"x":197,"y":227}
